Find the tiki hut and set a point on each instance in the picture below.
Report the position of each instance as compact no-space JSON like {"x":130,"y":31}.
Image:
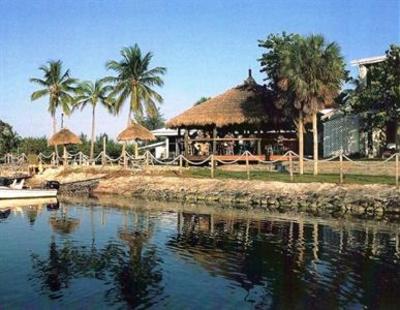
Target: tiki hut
{"x":134,"y":132}
{"x":64,"y":137}
{"x":245,"y":109}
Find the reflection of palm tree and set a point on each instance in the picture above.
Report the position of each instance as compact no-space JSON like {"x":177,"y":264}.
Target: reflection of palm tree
{"x":136,"y":273}
{"x":54,"y":273}
{"x":139,"y":276}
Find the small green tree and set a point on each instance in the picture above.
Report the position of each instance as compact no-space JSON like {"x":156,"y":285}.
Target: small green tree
{"x":378,"y":100}
{"x":9,"y":139}
{"x":201,"y":100}
{"x":152,"y":122}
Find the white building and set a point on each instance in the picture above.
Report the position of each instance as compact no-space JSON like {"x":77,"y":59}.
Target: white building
{"x":344,"y":132}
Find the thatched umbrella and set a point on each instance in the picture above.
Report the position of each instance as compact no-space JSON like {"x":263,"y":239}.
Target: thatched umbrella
{"x":64,"y":137}
{"x":64,"y":225}
{"x":134,"y":132}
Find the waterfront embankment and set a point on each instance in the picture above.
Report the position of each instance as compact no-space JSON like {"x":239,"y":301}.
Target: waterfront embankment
{"x":373,"y":199}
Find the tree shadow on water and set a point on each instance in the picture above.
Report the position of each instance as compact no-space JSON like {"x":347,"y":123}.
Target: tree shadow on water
{"x":132,"y":273}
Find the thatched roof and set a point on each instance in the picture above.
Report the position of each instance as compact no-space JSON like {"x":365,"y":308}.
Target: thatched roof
{"x":247,"y":103}
{"x":136,"y":131}
{"x":64,"y":225}
{"x":64,"y":137}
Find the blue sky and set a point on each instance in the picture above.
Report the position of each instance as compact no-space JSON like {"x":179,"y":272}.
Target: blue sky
{"x":206,"y":45}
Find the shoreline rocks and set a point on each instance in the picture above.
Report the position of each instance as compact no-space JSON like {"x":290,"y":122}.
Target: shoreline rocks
{"x":358,"y":199}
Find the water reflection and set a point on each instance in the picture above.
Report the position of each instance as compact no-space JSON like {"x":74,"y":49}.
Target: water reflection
{"x":297,"y":264}
{"x":62,"y":223}
{"x":132,"y":269}
{"x":188,"y":257}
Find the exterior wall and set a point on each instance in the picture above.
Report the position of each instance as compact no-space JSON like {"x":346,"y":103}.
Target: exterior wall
{"x":342,"y":132}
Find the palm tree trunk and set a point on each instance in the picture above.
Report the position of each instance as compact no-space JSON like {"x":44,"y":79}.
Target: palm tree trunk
{"x":54,"y":121}
{"x":315,"y":142}
{"x":397,"y":135}
{"x":93,"y":132}
{"x":301,"y":142}
{"x":129,"y":116}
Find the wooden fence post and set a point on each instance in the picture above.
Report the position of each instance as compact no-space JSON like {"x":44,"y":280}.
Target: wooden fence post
{"x":247,"y":166}
{"x":146,"y":160}
{"x":180,"y":164}
{"x":65,"y":156}
{"x":397,"y":169}
{"x":290,"y":166}
{"x":341,"y":167}
{"x":212,"y":166}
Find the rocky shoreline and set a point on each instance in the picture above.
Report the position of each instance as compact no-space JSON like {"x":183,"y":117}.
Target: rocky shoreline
{"x":370,"y":200}
{"x":275,"y":196}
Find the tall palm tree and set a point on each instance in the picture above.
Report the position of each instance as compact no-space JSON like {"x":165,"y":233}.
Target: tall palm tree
{"x":135,"y":80}
{"x":94,"y":93}
{"x":313,"y":73}
{"x":58,"y":86}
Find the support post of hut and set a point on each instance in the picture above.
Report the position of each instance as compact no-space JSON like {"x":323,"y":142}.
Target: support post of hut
{"x":180,"y":164}
{"x":124,"y":155}
{"x":178,"y":150}
{"x":212,"y":166}
{"x":214,"y":145}
{"x":53,"y":158}
{"x":186,"y":144}
{"x":103,"y":157}
{"x":65,"y":156}
{"x":397,"y":169}
{"x":341,"y":167}
{"x":259,"y":147}
{"x":247,"y":166}
{"x":136,"y":150}
{"x":290,"y":166}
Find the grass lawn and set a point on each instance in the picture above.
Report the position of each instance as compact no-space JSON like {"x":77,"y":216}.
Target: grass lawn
{"x":284,"y":177}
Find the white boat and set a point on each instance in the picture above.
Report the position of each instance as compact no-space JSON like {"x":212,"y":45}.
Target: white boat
{"x":9,"y":193}
{"x":19,"y":203}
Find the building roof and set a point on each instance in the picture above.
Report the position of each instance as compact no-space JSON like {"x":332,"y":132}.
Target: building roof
{"x":248,"y":103}
{"x":368,"y":61}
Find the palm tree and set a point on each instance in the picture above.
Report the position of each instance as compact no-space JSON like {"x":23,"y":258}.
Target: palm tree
{"x":313,"y":73}
{"x":58,"y":85}
{"x":135,"y":80}
{"x":93,"y":93}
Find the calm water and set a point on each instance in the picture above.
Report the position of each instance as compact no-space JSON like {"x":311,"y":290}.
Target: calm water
{"x":155,"y":256}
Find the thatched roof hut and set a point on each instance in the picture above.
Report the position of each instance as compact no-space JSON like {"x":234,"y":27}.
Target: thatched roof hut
{"x":64,"y":225}
{"x":136,"y":131}
{"x":248,"y":103}
{"x":64,"y":137}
